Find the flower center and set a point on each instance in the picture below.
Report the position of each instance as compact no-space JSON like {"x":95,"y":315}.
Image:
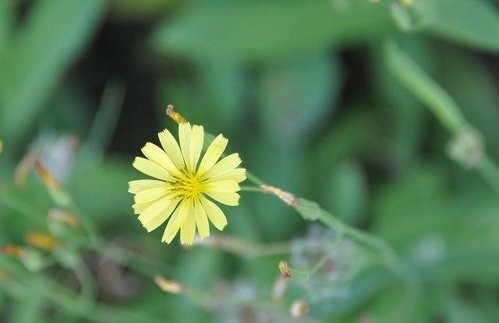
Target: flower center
{"x":188,"y":185}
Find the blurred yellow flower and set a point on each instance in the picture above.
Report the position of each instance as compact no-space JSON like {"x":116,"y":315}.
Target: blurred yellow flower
{"x":184,"y":187}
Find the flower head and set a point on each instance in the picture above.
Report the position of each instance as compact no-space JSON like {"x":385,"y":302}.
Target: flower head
{"x":185,"y":185}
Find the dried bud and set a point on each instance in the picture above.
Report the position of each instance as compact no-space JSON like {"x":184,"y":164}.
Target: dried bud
{"x":298,"y":308}
{"x":60,"y":215}
{"x":30,"y":258}
{"x":177,"y":117}
{"x":467,"y":148}
{"x":13,"y":250}
{"x":58,"y":195}
{"x":169,"y":286}
{"x":41,"y":240}
{"x":287,"y":197}
{"x":23,"y":168}
{"x":50,"y":181}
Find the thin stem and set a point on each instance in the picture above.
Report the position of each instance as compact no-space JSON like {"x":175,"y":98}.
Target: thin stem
{"x":490,"y":172}
{"x":87,"y":284}
{"x":20,"y":206}
{"x":254,"y":179}
{"x":437,"y":100}
{"x":312,"y":211}
{"x":140,"y":263}
{"x":105,"y":121}
{"x":245,"y":248}
{"x":21,"y":281}
{"x":89,"y":227}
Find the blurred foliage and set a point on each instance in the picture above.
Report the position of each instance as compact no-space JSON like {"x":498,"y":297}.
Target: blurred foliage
{"x":354,"y":104}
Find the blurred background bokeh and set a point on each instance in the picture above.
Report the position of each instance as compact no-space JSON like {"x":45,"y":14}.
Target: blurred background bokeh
{"x":386,"y":113}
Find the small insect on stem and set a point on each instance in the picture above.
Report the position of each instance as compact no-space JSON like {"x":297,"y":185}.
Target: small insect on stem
{"x":284,"y":269}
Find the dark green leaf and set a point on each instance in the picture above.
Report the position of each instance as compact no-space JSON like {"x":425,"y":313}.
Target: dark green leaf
{"x":346,"y":192}
{"x":297,"y":97}
{"x":38,"y":56}
{"x":471,"y":22}
{"x":270,"y":29}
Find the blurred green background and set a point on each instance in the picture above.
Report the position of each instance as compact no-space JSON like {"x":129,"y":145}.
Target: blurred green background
{"x":384,"y":112}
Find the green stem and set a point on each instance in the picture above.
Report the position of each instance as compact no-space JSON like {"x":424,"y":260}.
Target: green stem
{"x":140,"y":263}
{"x":21,"y":281}
{"x":437,"y":100}
{"x":245,"y":248}
{"x":425,"y":88}
{"x":21,"y":207}
{"x":312,"y":211}
{"x":87,"y":284}
{"x":87,"y":225}
{"x":254,"y":179}
{"x":490,"y":172}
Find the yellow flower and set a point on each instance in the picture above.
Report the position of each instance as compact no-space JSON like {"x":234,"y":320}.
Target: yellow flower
{"x":184,"y":187}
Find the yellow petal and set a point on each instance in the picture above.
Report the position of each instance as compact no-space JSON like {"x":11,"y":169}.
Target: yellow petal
{"x":195,"y":146}
{"x":213,"y":212}
{"x":231,"y":199}
{"x":150,"y":194}
{"x":212,"y":154}
{"x":171,"y":230}
{"x":158,"y":155}
{"x":227,"y":164}
{"x":225,"y":186}
{"x":150,"y":168}
{"x":238,"y":175}
{"x":157,"y":213}
{"x":151,"y":221}
{"x":140,"y":207}
{"x":179,"y":217}
{"x":201,"y":219}
{"x":171,"y":147}
{"x":184,"y":137}
{"x":142,"y":184}
{"x":188,"y":231}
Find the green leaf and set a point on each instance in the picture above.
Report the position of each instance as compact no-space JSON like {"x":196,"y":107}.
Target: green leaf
{"x":351,"y":136}
{"x":366,"y":285}
{"x":55,"y":33}
{"x":224,"y":83}
{"x":346,"y":192}
{"x":275,"y":219}
{"x":460,"y":311}
{"x":451,"y":237}
{"x":406,"y":115}
{"x":29,"y":308}
{"x":100,"y":191}
{"x":471,"y":22}
{"x":6,"y":21}
{"x":141,"y":10}
{"x":297,"y":96}
{"x":266,"y":30}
